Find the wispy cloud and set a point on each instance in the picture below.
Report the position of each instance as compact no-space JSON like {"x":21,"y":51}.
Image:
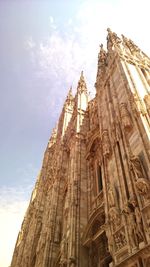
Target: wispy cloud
{"x":60,"y":59}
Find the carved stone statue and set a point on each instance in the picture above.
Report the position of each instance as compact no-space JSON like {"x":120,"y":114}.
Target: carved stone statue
{"x":139,"y":224}
{"x":111,"y":197}
{"x":132,"y":227}
{"x":136,"y":167}
{"x":102,"y":56}
{"x":125,"y":117}
{"x":143,"y":187}
{"x":106,"y":143}
{"x":115,"y":218}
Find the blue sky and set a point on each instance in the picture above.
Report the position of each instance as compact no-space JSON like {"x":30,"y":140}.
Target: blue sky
{"x":44,"y":45}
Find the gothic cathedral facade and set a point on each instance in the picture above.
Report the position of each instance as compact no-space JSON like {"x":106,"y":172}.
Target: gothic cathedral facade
{"x":91,"y":203}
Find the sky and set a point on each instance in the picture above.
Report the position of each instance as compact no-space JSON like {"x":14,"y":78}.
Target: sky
{"x":44,"y":45}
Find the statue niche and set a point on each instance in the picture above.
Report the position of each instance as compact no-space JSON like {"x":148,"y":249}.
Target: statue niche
{"x":106,"y":143}
{"x":114,"y":214}
{"x":125,"y":116}
{"x":142,"y":184}
{"x":134,"y":222}
{"x":139,"y":223}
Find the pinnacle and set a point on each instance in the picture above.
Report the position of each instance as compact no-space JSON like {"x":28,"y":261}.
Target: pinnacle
{"x":69,"y":96}
{"x":82,"y":76}
{"x":70,"y":93}
{"x":82,"y":84}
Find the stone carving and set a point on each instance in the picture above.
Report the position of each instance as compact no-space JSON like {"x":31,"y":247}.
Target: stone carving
{"x":106,"y":143}
{"x":139,"y":224}
{"x":125,"y":117}
{"x":142,"y":184}
{"x":147,"y":103}
{"x":111,"y":197}
{"x":94,"y":115}
{"x":120,"y":239}
{"x":143,"y":187}
{"x":136,"y":166}
{"x":102,"y":56}
{"x":115,"y":218}
{"x":132,"y":226}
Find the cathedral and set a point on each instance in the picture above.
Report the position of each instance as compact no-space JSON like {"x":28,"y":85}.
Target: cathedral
{"x":90,"y":206}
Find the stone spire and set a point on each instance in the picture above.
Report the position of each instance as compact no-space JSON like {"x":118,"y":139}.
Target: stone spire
{"x":69,"y":98}
{"x":81,"y":84}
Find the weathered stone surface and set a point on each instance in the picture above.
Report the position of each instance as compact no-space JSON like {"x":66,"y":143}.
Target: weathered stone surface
{"x":91,"y":203}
